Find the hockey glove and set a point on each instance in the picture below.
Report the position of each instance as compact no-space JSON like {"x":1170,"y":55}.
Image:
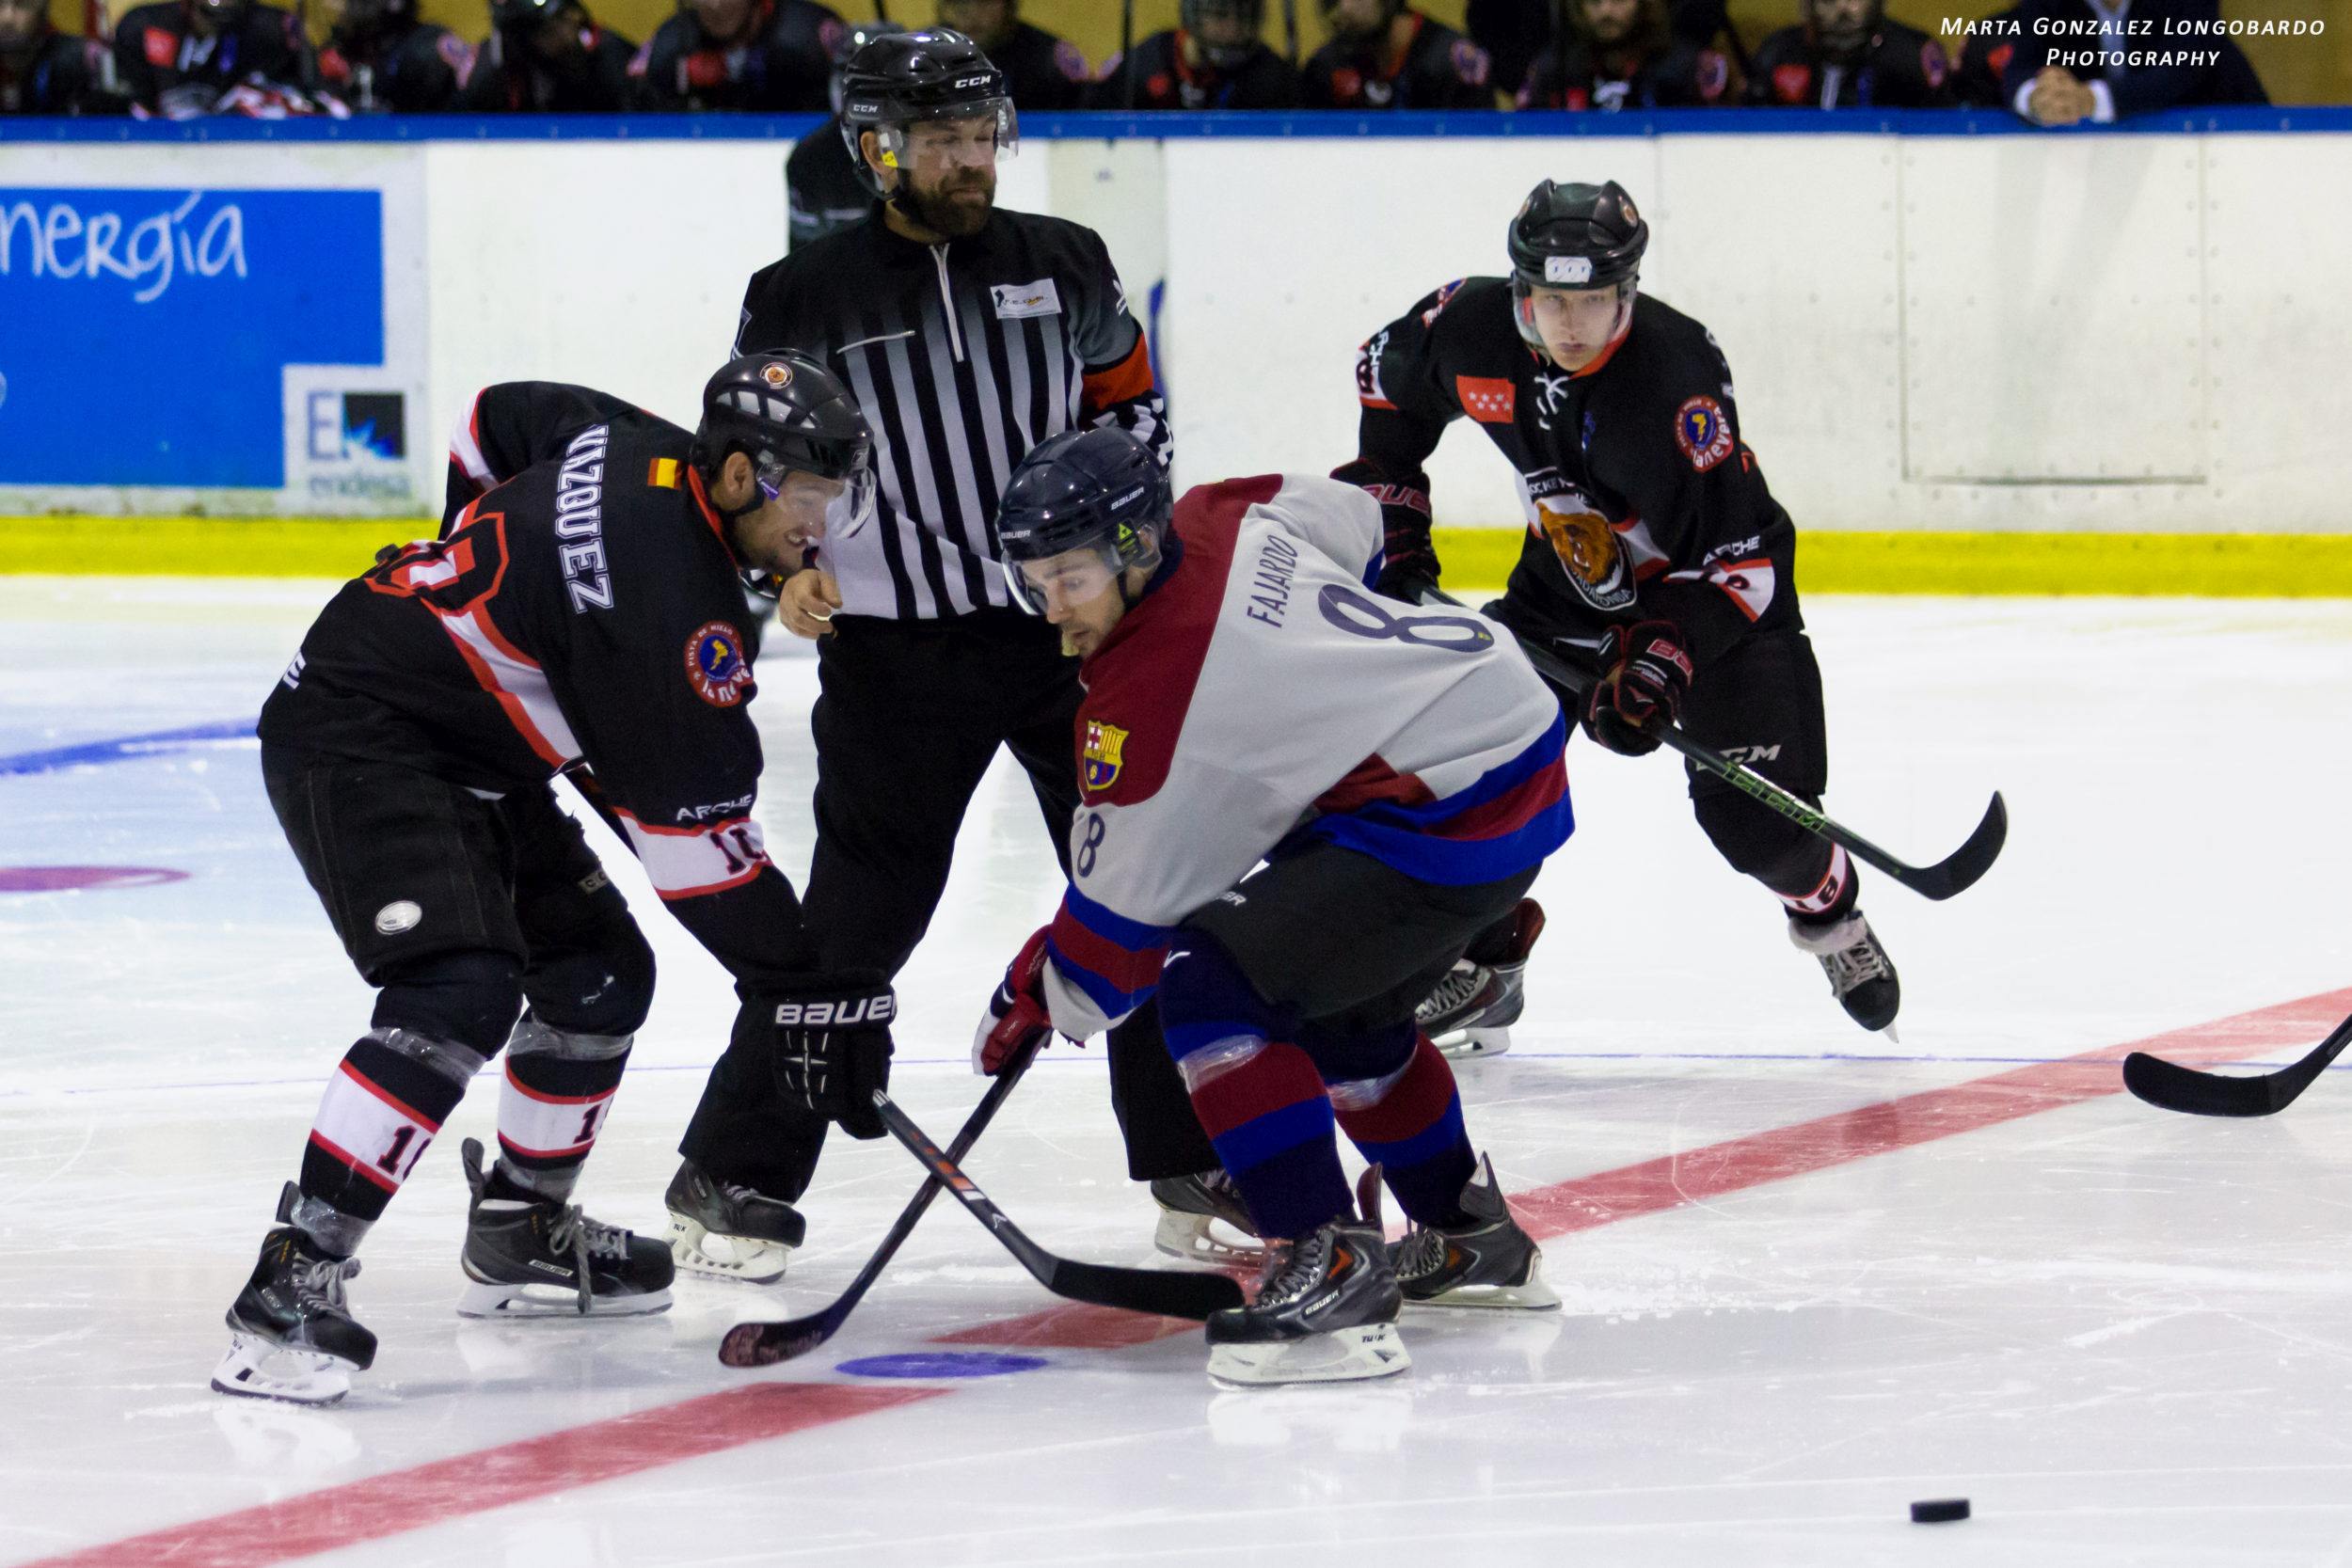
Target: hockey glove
{"x":1645,"y":673}
{"x":832,"y":1041}
{"x":1408,"y":560}
{"x":1017,"y":1014}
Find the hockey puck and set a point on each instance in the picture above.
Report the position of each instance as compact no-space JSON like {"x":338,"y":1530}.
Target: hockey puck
{"x":1939,"y":1511}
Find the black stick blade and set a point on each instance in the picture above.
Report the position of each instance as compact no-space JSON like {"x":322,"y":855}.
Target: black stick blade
{"x":758,"y":1344}
{"x":1167,"y":1291}
{"x":2169,"y":1087}
{"x":1961,"y":870}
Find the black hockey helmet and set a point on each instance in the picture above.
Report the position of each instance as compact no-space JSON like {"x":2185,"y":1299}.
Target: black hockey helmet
{"x":1250,"y":13}
{"x":525,"y":16}
{"x":931,"y":74}
{"x":1574,"y":237}
{"x":1098,"y":490}
{"x":785,"y":411}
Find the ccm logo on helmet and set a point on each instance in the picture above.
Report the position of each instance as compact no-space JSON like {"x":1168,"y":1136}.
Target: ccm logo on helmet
{"x":971,"y":81}
{"x":866,"y":1010}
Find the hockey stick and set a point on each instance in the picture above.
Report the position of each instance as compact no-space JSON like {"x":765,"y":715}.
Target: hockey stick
{"x":2171,"y":1087}
{"x":1126,"y":52}
{"x":763,"y":1344}
{"x":1163,"y":1291}
{"x":1955,"y":873}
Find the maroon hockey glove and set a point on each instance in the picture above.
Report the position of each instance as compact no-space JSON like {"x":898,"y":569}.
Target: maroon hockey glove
{"x":1645,"y":673}
{"x":1017,"y":1013}
{"x":1410,"y":562}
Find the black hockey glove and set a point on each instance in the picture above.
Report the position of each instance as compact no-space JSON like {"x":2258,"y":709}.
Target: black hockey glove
{"x":1645,"y":673}
{"x":1409,"y":560}
{"x":832,"y":1043}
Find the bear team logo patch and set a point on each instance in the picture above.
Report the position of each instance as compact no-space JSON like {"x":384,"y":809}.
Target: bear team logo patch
{"x":715,"y":665}
{"x":1703,"y":433}
{"x":1099,"y":760}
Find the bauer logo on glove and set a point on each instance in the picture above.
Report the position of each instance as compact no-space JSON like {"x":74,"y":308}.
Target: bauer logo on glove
{"x":817,"y":1015}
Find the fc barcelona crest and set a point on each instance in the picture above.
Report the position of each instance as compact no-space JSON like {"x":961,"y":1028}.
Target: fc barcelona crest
{"x":1099,"y":759}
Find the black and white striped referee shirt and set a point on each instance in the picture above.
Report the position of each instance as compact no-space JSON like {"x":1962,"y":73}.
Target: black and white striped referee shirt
{"x":963,"y":356}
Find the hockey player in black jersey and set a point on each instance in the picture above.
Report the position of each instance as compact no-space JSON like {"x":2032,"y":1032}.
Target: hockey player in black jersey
{"x":760,"y":57}
{"x":1626,"y":55}
{"x":583,"y":612}
{"x":1655,"y":554}
{"x":546,"y":56}
{"x":1849,"y":54}
{"x":1384,"y":55}
{"x":381,"y":58}
{"x":43,"y":71}
{"x":1214,"y":59}
{"x":822,"y":190}
{"x":177,"y":59}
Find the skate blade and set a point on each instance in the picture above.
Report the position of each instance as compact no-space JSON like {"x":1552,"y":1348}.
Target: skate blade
{"x":1202,"y":1239}
{"x":712,"y":1255}
{"x":1472,"y":1043}
{"x":258,"y":1370}
{"x":1534,"y":1296}
{"x":535,"y":1300}
{"x":1343,"y":1355}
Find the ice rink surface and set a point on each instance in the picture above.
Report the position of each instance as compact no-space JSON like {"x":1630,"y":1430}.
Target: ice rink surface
{"x":1810,"y":1275}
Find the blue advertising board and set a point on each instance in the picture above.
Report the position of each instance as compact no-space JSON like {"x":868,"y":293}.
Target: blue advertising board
{"x":145,"y":334}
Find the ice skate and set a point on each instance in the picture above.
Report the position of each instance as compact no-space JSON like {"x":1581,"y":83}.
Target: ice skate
{"x":1861,"y":975}
{"x":289,"y":1336}
{"x":725,"y":1230}
{"x":533,"y":1257}
{"x":1203,"y":1220}
{"x":1488,"y":1262}
{"x":1471,"y":1011}
{"x":1326,"y":1313}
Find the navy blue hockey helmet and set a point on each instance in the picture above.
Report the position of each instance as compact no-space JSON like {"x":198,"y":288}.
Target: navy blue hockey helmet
{"x":897,"y":79}
{"x":1574,"y":236}
{"x":1097,"y":493}
{"x":786,"y":412}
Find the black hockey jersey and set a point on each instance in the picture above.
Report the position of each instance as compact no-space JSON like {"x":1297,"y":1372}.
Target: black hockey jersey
{"x":53,"y":74}
{"x":586,"y":609}
{"x":1436,"y":69}
{"x":1676,"y":74}
{"x":1642,"y":501}
{"x":823,"y":194}
{"x":591,"y":80}
{"x":785,"y":68}
{"x":170,"y":70}
{"x":1899,"y":67}
{"x":1159,"y":77}
{"x":1042,"y":71}
{"x":963,"y":356}
{"x":401,"y":70}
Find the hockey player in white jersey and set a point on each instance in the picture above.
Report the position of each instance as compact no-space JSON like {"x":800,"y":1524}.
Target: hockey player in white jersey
{"x":1302,"y":802}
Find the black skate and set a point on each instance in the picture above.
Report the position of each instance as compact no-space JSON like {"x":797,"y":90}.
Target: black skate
{"x":1326,"y":1312}
{"x":1860,"y":973}
{"x":1471,"y":1011}
{"x":1203,"y":1220}
{"x":1489,"y":1262}
{"x":725,"y":1230}
{"x":531,"y":1258}
{"x":289,"y":1336}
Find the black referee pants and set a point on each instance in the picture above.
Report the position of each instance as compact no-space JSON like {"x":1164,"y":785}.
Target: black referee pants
{"x":908,"y":717}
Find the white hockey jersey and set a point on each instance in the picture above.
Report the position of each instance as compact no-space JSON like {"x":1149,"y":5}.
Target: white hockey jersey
{"x":1260,"y":696}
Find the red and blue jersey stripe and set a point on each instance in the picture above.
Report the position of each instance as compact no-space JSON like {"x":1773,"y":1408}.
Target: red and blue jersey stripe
{"x":1113,"y":960}
{"x":1511,"y":818}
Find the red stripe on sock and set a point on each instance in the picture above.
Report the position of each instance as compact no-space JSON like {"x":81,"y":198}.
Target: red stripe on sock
{"x":1413,"y":1104}
{"x":1276,"y":1077}
{"x":309,"y":1523}
{"x":358,"y":1167}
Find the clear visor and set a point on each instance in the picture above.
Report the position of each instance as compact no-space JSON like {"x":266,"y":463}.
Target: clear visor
{"x":1062,"y":581}
{"x":969,"y":134}
{"x":846,"y":512}
{"x":1594,"y":316}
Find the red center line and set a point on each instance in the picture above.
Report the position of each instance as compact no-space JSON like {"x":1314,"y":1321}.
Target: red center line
{"x":1699,"y":1175}
{"x":447,"y":1489}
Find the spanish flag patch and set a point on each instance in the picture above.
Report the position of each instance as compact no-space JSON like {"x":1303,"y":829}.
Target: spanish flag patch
{"x":663,"y":475}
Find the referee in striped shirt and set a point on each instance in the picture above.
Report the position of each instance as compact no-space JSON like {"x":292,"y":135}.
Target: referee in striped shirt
{"x":968,"y":335}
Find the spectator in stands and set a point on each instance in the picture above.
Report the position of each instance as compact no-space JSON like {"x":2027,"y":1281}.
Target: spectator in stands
{"x":380,"y":57}
{"x":770,"y":56}
{"x":1384,"y":55}
{"x":2065,"y":70}
{"x":43,"y":71}
{"x":546,"y":56}
{"x":821,"y":190}
{"x":1849,"y":55}
{"x":1514,"y":32}
{"x":1624,"y":54}
{"x":1042,"y":71}
{"x":1213,"y":58}
{"x":179,"y":59}
{"x":1983,"y":57}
